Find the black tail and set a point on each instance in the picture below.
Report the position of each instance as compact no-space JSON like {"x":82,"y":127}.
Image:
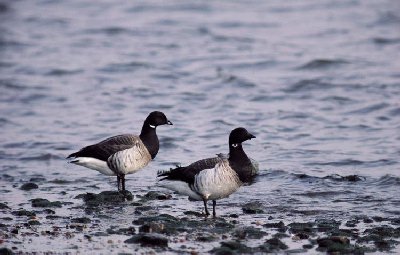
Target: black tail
{"x":167,"y":173}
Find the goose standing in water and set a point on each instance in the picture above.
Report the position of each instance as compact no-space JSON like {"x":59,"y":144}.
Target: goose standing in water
{"x":123,"y":154}
{"x":214,"y":178}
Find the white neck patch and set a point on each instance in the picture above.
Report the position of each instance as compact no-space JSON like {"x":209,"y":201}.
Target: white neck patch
{"x":234,"y":145}
{"x":152,"y":126}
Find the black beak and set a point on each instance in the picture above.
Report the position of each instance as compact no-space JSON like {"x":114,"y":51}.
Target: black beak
{"x":251,"y":136}
{"x":169,"y":122}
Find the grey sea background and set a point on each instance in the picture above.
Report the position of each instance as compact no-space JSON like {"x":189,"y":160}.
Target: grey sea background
{"x":317,"y":81}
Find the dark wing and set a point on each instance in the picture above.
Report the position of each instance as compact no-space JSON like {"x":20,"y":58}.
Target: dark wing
{"x":188,"y":173}
{"x":107,"y":147}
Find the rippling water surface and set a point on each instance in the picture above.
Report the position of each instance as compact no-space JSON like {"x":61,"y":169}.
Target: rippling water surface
{"x":318,"y":83}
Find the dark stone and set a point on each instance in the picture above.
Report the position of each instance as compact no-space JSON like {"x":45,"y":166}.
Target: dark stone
{"x":154,"y":195}
{"x":106,"y":197}
{"x":152,"y":227}
{"x":383,"y":231}
{"x":253,"y":208}
{"x":336,"y":244}
{"x":121,"y":231}
{"x":82,"y":220}
{"x":297,"y":227}
{"x":277,"y":243}
{"x":53,"y":217}
{"x":327,"y":225}
{"x":279,"y":225}
{"x":33,"y":222}
{"x":41,"y":202}
{"x":4,"y":206}
{"x":37,"y":179}
{"x":149,"y":240}
{"x":194,"y":213}
{"x":395,"y":221}
{"x":206,"y":238}
{"x":29,"y":186}
{"x":308,"y":246}
{"x":378,"y":218}
{"x":143,"y":208}
{"x":249,"y":232}
{"x":302,"y":235}
{"x":368,"y":220}
{"x":271,"y":245}
{"x":23,"y":212}
{"x":223,"y":251}
{"x":232,"y":247}
{"x":6,"y":251}
{"x":352,"y":223}
{"x":49,"y":211}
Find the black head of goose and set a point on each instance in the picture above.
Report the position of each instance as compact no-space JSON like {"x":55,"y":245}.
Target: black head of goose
{"x":212,"y":178}
{"x":123,"y":154}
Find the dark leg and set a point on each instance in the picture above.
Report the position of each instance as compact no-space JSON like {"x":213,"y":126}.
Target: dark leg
{"x":119,"y":182}
{"x":205,"y":207}
{"x":123,"y":182}
{"x":214,"y":204}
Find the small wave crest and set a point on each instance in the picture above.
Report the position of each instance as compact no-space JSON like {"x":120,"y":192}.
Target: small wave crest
{"x":323,"y":63}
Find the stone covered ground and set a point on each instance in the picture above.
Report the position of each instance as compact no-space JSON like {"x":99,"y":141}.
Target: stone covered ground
{"x":147,"y":223}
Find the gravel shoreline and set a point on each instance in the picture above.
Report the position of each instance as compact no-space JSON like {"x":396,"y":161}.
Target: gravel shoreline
{"x":151,"y":230}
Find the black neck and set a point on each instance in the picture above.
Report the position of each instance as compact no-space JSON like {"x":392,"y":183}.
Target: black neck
{"x":239,"y":161}
{"x":150,"y":139}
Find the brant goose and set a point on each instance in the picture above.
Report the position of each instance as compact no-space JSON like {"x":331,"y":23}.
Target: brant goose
{"x":123,"y":154}
{"x":214,"y":178}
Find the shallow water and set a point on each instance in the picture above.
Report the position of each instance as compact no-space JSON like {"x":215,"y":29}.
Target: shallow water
{"x":318,"y":83}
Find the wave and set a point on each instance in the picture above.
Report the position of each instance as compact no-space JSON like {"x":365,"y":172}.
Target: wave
{"x":323,"y":63}
{"x":354,"y":162}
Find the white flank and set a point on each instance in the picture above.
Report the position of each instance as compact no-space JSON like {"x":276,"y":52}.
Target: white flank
{"x":130,"y":160}
{"x":180,"y":187}
{"x":93,"y":163}
{"x":218,"y":182}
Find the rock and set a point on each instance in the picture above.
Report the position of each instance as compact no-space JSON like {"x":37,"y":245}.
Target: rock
{"x":271,"y":245}
{"x":82,"y":220}
{"x":149,"y":240}
{"x":275,"y":242}
{"x":154,"y":195}
{"x":33,"y":222}
{"x":332,"y":244}
{"x":29,"y":186}
{"x":300,"y":236}
{"x":308,"y":246}
{"x":6,"y":251}
{"x":249,"y":232}
{"x":113,"y":230}
{"x":162,"y":223}
{"x":4,"y":206}
{"x":23,"y":212}
{"x":106,"y":197}
{"x":194,"y":213}
{"x":231,"y":247}
{"x":280,"y":226}
{"x":49,"y":211}
{"x":326,"y":225}
{"x":41,"y":202}
{"x":253,"y":208}
{"x":37,"y":179}
{"x":298,"y":227}
{"x":152,"y":227}
{"x":368,"y":220}
{"x":383,"y":231}
{"x":204,"y":237}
